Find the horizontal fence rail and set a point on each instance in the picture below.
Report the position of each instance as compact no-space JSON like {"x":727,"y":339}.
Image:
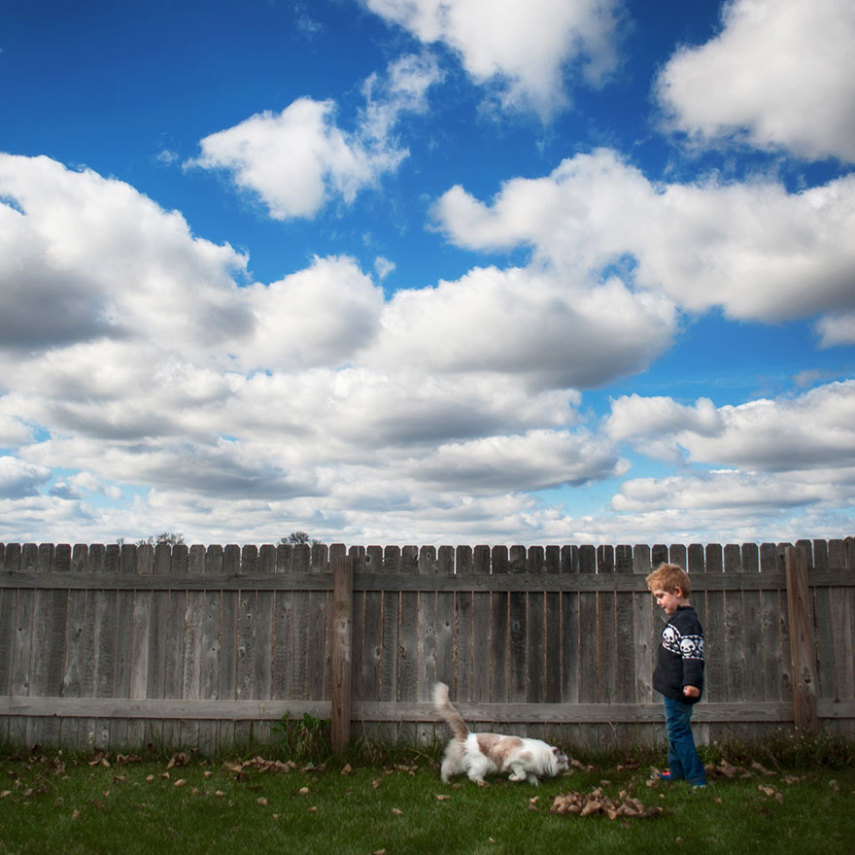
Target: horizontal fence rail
{"x":210,"y":646}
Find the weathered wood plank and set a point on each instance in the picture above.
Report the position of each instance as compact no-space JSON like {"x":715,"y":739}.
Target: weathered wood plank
{"x":482,"y":628}
{"x":464,"y":639}
{"x":204,"y":710}
{"x":801,"y":641}
{"x":588,"y":676}
{"x":606,"y":632}
{"x":715,"y":630}
{"x":322,"y":581}
{"x":342,"y":640}
{"x":570,"y":641}
{"x":500,"y":628}
{"x":445,"y":619}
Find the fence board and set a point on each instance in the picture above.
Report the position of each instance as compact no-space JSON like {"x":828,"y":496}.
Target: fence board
{"x":482,"y":628}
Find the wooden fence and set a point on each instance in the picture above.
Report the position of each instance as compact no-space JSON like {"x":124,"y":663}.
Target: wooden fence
{"x":209,"y":647}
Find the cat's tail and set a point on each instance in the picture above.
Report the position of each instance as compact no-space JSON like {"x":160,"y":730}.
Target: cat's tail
{"x":445,"y":708}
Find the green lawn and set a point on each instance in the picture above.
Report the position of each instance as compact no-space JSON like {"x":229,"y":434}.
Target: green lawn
{"x":96,"y":804}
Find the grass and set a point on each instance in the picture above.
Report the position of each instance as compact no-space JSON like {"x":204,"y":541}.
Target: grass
{"x":394,"y":802}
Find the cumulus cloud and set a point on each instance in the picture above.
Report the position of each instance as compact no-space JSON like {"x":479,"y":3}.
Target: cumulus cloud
{"x":525,"y":321}
{"x":837,"y":329}
{"x":538,"y":459}
{"x":778,"y":75}
{"x":318,"y":316}
{"x":19,"y":478}
{"x":299,"y":159}
{"x":813,"y":430}
{"x":107,"y":261}
{"x":767,"y":469}
{"x":494,"y":38}
{"x":755,"y":249}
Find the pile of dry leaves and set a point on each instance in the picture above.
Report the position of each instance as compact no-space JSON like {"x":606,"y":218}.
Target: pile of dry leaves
{"x":624,"y":806}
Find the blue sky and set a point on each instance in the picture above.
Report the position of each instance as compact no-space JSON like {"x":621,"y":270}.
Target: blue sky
{"x":427,"y":271}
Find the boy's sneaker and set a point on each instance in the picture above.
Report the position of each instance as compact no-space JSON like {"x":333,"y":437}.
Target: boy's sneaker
{"x":662,"y":776}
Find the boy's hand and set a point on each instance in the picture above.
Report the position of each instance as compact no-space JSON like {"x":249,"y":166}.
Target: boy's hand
{"x":691,"y":691}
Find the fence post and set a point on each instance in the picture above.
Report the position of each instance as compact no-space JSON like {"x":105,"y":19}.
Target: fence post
{"x":342,"y":633}
{"x":801,"y":640}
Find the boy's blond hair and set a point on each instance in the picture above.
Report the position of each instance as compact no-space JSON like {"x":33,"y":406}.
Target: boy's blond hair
{"x":669,"y":577}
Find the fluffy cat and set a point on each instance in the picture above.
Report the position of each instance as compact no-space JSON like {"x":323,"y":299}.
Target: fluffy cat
{"x":480,"y":754}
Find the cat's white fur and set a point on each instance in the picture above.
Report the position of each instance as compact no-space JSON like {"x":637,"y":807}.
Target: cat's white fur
{"x":480,"y":754}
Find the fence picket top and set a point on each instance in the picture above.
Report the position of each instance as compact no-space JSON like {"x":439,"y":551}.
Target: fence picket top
{"x":677,"y":554}
{"x":409,"y":559}
{"x":463,"y":560}
{"x":715,"y":563}
{"x":695,"y":558}
{"x":641,"y":562}
{"x":733,"y":558}
{"x":750,"y":558}
{"x":427,"y":563}
{"x":392,"y":559}
{"x":658,"y":554}
{"x":569,"y":559}
{"x":500,"y":563}
{"x":587,"y":559}
{"x":217,"y":558}
{"x":249,"y":559}
{"x":768,"y":557}
{"x":481,"y":560}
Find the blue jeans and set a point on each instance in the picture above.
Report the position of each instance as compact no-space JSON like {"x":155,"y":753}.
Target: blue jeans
{"x":683,"y":758}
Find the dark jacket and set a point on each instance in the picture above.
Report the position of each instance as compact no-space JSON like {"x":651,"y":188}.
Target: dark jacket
{"x":680,"y":661}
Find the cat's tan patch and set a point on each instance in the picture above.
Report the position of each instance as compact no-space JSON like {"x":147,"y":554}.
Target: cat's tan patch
{"x":500,"y":749}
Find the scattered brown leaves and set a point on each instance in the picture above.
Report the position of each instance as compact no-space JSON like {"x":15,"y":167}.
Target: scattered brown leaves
{"x":772,"y":792}
{"x":259,"y":764}
{"x":100,"y":759}
{"x":596,"y":802}
{"x":178,"y":759}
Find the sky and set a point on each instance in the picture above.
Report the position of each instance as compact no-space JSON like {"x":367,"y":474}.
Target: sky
{"x":427,"y":271}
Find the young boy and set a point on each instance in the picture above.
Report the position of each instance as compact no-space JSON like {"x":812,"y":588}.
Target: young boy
{"x":679,"y":672}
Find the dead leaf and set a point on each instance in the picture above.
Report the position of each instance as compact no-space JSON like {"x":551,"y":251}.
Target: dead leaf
{"x":178,"y":759}
{"x":397,"y":812}
{"x":262,"y":801}
{"x":442,"y":798}
{"x":759,"y":767}
{"x":347,"y":770}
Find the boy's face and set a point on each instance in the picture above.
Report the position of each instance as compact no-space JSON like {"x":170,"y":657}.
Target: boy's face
{"x":667,"y":601}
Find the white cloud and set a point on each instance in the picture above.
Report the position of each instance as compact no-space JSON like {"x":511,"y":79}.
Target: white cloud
{"x":527,"y":322}
{"x":778,"y":75}
{"x":538,"y":459}
{"x":495,"y":41}
{"x":318,"y":316}
{"x":813,"y":430}
{"x":294,"y":160}
{"x":19,"y":479}
{"x":298,"y":160}
{"x":837,"y":329}
{"x":755,"y":249}
{"x":85,"y":257}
